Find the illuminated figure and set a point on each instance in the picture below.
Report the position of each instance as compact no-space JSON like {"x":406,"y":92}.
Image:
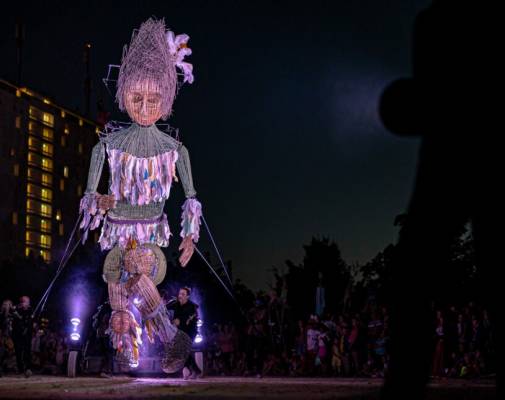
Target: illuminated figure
{"x":143,"y":163}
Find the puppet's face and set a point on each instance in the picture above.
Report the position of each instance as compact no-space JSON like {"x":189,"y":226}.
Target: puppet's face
{"x":143,"y":100}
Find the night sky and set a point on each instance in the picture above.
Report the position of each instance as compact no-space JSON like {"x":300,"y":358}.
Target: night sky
{"x":281,"y":122}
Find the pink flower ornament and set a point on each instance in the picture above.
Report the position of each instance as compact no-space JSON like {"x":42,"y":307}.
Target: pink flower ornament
{"x":178,"y":48}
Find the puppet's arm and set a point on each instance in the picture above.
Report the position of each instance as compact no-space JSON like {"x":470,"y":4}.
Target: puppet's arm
{"x":191,"y":209}
{"x":93,"y":205}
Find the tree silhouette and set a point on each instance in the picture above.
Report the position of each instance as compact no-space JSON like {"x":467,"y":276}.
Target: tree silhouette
{"x":322,"y":258}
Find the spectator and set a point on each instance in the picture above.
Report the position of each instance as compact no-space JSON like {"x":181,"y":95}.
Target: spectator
{"x":22,"y":335}
{"x":438,"y":360}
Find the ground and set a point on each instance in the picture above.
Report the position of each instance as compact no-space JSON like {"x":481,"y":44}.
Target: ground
{"x":43,"y":387}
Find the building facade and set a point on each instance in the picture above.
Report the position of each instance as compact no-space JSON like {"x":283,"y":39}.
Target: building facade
{"x":44,"y":155}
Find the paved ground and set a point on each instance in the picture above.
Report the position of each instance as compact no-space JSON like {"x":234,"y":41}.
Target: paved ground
{"x":44,"y":387}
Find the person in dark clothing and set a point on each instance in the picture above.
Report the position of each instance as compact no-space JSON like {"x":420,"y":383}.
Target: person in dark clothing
{"x":449,"y":102}
{"x":5,"y":329}
{"x":22,"y":326}
{"x":185,"y":317}
{"x":256,"y":339}
{"x":100,"y":325}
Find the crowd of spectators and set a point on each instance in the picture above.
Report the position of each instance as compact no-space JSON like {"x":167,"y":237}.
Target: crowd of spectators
{"x":344,"y":345}
{"x":271,"y":343}
{"x":27,"y":345}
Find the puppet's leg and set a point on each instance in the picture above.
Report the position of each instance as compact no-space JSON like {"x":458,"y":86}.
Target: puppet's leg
{"x":152,"y":309}
{"x":146,"y":265}
{"x":124,"y":331}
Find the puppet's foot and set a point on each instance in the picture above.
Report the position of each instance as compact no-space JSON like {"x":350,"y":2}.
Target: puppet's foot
{"x":176,"y":353}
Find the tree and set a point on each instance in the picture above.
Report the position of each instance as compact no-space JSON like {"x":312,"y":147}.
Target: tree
{"x":322,"y":258}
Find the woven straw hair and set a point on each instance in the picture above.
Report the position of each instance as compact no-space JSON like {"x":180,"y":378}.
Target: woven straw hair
{"x":148,"y":57}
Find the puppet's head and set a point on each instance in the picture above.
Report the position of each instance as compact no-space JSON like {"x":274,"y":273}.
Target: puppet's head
{"x":147,"y":82}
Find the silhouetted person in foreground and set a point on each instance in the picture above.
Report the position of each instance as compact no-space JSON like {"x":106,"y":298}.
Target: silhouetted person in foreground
{"x":448,"y":103}
{"x":22,"y":326}
{"x":101,"y":325}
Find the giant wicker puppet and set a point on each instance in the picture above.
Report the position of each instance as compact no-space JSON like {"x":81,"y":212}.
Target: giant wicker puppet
{"x":143,"y":162}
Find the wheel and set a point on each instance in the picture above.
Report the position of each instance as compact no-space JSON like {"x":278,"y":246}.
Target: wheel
{"x":72,"y":364}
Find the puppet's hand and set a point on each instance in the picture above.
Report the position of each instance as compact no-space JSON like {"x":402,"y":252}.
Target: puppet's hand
{"x":106,"y":202}
{"x":188,"y":247}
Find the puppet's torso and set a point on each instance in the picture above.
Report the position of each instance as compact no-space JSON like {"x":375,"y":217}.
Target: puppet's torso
{"x":142,"y":164}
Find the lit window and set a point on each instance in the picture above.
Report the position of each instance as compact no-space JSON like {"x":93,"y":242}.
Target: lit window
{"x":18,"y":122}
{"x":45,"y":225}
{"x":39,"y":161}
{"x":40,"y":146}
{"x":48,"y":119}
{"x":39,"y":177}
{"x":13,"y":151}
{"x":66,"y":129}
{"x":14,"y":218}
{"x":79,"y":190}
{"x":18,"y":93}
{"x":61,"y":230}
{"x":63,"y":141}
{"x":81,"y":122}
{"x":62,"y":114}
{"x":38,"y":192}
{"x":47,"y":194}
{"x":39,"y":115}
{"x":47,"y":134}
{"x":62,"y":184}
{"x":45,"y":210}
{"x":79,"y":148}
{"x":58,"y":215}
{"x":45,"y":241}
{"x":40,"y":224}
{"x":45,"y":254}
{"x":16,"y":169}
{"x":40,"y":239}
{"x":47,"y":101}
{"x":47,"y":164}
{"x":65,"y":171}
{"x":47,"y":179}
{"x":47,"y":149}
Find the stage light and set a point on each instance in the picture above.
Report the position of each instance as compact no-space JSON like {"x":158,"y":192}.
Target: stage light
{"x":75,"y":336}
{"x":199,"y":323}
{"x":198,"y":338}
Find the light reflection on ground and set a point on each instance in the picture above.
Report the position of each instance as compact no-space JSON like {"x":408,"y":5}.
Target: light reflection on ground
{"x":125,"y":387}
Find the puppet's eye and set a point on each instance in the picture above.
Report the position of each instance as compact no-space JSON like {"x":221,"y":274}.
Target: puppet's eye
{"x":154,"y":99}
{"x":137,"y":98}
